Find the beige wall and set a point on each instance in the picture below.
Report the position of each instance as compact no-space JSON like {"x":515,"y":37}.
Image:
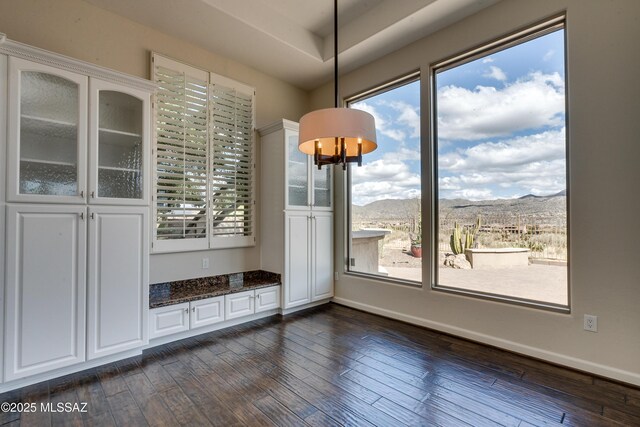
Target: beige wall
{"x":82,"y":31}
{"x":603,"y":128}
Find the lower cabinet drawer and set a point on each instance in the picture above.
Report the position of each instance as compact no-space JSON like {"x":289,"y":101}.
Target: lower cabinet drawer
{"x":206,"y":312}
{"x":168,"y":320}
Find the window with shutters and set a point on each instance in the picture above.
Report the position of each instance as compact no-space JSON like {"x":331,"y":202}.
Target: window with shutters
{"x":204,"y":186}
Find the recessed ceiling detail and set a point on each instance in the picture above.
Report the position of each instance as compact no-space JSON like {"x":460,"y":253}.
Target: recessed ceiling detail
{"x":292,"y":39}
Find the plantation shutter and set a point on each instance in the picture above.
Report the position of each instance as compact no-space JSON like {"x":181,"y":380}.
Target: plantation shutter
{"x":181,"y":153}
{"x":231,"y":131}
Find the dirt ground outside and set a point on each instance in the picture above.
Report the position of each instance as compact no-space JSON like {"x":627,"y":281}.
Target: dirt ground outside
{"x":544,"y":283}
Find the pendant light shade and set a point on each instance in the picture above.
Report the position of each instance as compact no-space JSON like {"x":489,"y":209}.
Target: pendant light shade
{"x":337,"y":135}
{"x":322,"y":127}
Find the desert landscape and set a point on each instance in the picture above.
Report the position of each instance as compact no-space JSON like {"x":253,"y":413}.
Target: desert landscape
{"x":536,"y":223}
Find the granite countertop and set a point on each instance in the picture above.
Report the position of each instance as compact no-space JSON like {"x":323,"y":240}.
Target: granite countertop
{"x":170,"y":293}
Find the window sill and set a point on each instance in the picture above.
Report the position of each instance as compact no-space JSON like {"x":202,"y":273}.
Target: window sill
{"x":385,"y":279}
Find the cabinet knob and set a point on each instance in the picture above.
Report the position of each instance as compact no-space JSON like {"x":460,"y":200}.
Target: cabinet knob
{"x":81,"y":193}
{"x":186,"y":310}
{"x":82,"y":215}
{"x":193,"y":309}
{"x":93,"y":194}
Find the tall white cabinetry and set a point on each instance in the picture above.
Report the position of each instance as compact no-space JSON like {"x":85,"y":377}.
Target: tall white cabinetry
{"x":77,"y":207}
{"x":296,"y":217}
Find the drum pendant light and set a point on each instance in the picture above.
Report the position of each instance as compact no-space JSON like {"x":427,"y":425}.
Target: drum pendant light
{"x":337,"y":135}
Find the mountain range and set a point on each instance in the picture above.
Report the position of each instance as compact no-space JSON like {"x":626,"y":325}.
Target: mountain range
{"x":550,"y":209}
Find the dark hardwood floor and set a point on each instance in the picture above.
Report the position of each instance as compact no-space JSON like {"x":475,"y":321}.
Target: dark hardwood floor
{"x":329,"y":366}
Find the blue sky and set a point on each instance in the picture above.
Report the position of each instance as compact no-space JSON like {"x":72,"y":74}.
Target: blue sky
{"x":501,"y":130}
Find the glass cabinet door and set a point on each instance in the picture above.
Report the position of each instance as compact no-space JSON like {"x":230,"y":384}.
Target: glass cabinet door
{"x":47,"y":133}
{"x":118,"y":136}
{"x":297,"y":174}
{"x":322,"y":186}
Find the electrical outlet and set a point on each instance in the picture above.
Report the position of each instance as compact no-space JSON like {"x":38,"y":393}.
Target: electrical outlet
{"x":205,"y":263}
{"x":590,"y":323}
{"x":335,"y":276}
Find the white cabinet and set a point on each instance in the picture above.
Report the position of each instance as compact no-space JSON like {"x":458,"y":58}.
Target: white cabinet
{"x":239,"y":305}
{"x":173,"y":319}
{"x":296,"y":217}
{"x":306,"y":185}
{"x":118,"y":290}
{"x":206,"y":312}
{"x":3,"y":155}
{"x":169,"y":320}
{"x":321,"y":256}
{"x":308,"y":258}
{"x":47,"y":133}
{"x":45,"y":289}
{"x":119,"y":129}
{"x":267,"y":299}
{"x":77,"y":139}
{"x":51,"y":112}
{"x":297,"y":278}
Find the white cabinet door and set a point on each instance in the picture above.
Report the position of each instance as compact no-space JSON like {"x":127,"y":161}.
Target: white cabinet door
{"x":322,"y":256}
{"x":47,"y":134}
{"x":118,"y":289}
{"x":239,"y":305}
{"x":267,"y":298}
{"x":297,"y":257}
{"x":45,"y":289}
{"x":119,"y":129}
{"x":168,"y":320}
{"x":206,"y":312}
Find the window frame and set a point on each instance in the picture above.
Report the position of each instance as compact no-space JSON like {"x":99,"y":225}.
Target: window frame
{"x":408,"y":78}
{"x":539,"y":29}
{"x":209,"y":241}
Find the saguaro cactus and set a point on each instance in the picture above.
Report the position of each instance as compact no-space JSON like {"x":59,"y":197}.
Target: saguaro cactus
{"x":460,"y":241}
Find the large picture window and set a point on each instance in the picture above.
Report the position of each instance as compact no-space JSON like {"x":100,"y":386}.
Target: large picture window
{"x":385,"y":233}
{"x":501,"y":171}
{"x":204,"y":154}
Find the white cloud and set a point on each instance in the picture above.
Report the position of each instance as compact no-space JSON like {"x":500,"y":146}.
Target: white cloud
{"x":495,"y":73}
{"x":471,"y":194}
{"x":409,"y":116}
{"x":532,"y":102}
{"x":547,"y":56}
{"x":384,"y":179}
{"x":382,"y":125}
{"x":487,"y":60}
{"x":531,"y":164}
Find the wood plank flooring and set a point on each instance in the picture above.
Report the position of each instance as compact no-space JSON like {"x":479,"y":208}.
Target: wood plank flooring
{"x":329,"y":366}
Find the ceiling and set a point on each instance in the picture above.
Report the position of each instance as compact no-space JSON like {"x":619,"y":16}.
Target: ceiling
{"x":293,"y":39}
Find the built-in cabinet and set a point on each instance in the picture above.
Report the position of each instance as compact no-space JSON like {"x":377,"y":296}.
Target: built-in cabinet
{"x":75,"y":139}
{"x":176,"y":318}
{"x":118,"y":270}
{"x":296,"y":217}
{"x":45,"y":307}
{"x":77,"y":202}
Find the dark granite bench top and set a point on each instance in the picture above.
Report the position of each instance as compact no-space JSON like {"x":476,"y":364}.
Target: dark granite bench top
{"x":170,"y":293}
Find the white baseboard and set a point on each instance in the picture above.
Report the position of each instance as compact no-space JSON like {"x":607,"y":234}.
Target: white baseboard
{"x":552,"y":357}
{"x":23,"y":382}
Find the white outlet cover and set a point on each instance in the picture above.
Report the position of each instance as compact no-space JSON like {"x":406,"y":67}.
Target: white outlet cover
{"x":590,"y":323}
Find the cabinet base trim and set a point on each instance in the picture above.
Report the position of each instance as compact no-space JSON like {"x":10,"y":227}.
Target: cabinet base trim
{"x":286,"y":311}
{"x":23,"y":382}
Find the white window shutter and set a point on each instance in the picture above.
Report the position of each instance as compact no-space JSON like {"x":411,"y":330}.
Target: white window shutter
{"x":232,"y":173}
{"x":181,"y":154}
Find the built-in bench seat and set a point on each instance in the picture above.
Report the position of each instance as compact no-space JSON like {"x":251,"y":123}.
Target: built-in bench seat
{"x":190,"y":307}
